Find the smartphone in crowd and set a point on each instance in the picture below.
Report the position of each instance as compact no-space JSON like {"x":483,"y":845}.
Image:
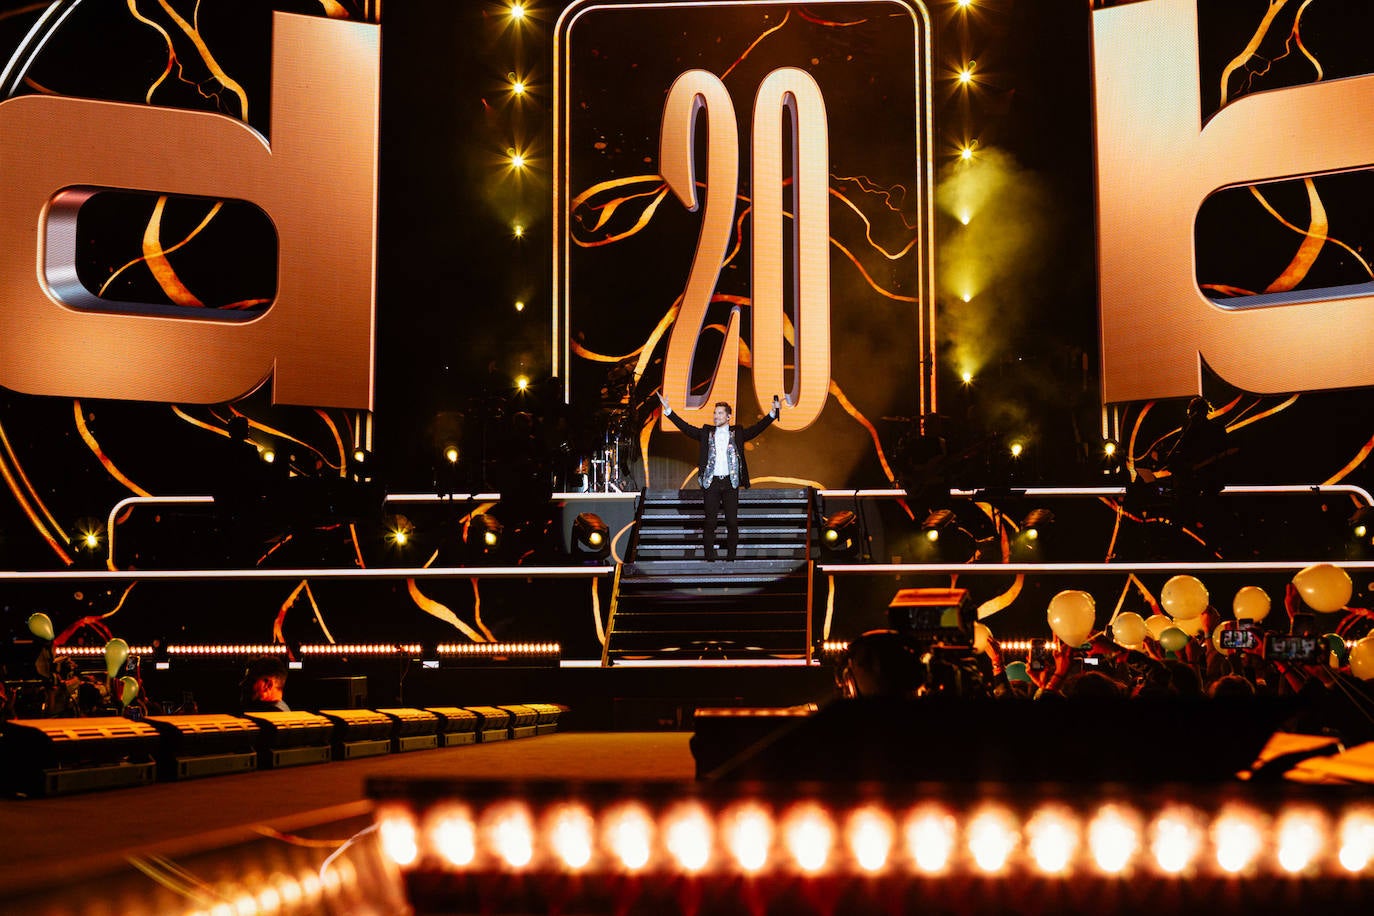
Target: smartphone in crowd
{"x":1040,"y":656}
{"x":1239,"y":638}
{"x":1300,"y":649}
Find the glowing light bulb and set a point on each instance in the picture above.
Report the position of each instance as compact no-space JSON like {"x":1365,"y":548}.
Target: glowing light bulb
{"x":518,"y":230}
{"x":1053,"y":840}
{"x":688,"y":838}
{"x":1016,"y":449}
{"x":453,"y":834}
{"x":519,"y":306}
{"x":1176,"y":841}
{"x":1238,"y":839}
{"x":629,"y":835}
{"x":966,"y":153}
{"x":966,"y":74}
{"x":992,"y":836}
{"x":870,"y":838}
{"x":517,"y":160}
{"x":808,"y":834}
{"x":1114,"y":838}
{"x":1301,"y":836}
{"x":522,"y":382}
{"x":451,"y":454}
{"x":517,"y":87}
{"x":967,"y":377}
{"x":1357,"y":840}
{"x":570,"y":835}
{"x":517,"y":11}
{"x":397,"y":832}
{"x":1109,"y":449}
{"x":511,"y":835}
{"x":91,"y":540}
{"x":748,"y":834}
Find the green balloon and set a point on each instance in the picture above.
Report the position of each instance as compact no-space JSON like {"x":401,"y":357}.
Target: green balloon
{"x":116,"y":652}
{"x":40,"y":625}
{"x":1016,"y":671}
{"x":128,"y":689}
{"x":1336,"y":643}
{"x":1173,"y":639}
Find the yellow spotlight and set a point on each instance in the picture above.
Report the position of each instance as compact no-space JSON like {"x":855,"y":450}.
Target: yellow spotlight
{"x":360,"y":455}
{"x":963,"y":4}
{"x":453,"y":834}
{"x":517,"y":159}
{"x":511,"y":835}
{"x":519,"y":231}
{"x":967,"y":377}
{"x":399,"y":537}
{"x":398,"y":836}
{"x":268,"y":454}
{"x":966,"y":153}
{"x":91,"y":540}
{"x":451,"y":454}
{"x":932,"y":534}
{"x":517,"y":86}
{"x":1361,"y":530}
{"x":992,"y":837}
{"x":966,"y":297}
{"x":930,"y":837}
{"x":966,"y":74}
{"x":1114,"y":837}
{"x":965,"y":217}
{"x":517,"y":11}
{"x":1109,"y":448}
{"x":1301,"y":835}
{"x":519,"y":305}
{"x":808,"y":836}
{"x":748,"y":832}
{"x":522,"y":382}
{"x":1053,"y":840}
{"x":687,"y":836}
{"x":1176,"y":840}
{"x":1357,"y":840}
{"x":1237,"y":838}
{"x":570,"y":834}
{"x":595,"y":538}
{"x":870,"y":832}
{"x":1016,"y":449}
{"x":490,"y":538}
{"x":629,"y":834}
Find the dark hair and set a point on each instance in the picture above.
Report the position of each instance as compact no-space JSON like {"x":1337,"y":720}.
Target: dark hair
{"x":725,"y":405}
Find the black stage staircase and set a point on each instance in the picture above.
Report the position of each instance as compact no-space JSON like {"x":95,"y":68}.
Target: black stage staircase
{"x":669,"y":602}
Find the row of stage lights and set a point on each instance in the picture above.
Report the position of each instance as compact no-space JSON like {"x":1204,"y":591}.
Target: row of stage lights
{"x":754,"y":837}
{"x":524,"y":649}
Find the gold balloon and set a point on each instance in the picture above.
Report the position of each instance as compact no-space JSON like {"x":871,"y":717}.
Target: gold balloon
{"x":1183,"y":597}
{"x":1222,"y":627}
{"x":1071,"y":615}
{"x":1128,"y":629}
{"x":116,"y":651}
{"x":40,"y":625}
{"x":1362,"y":659}
{"x":1251,"y":603}
{"x":1324,"y":588}
{"x":1156,"y":624}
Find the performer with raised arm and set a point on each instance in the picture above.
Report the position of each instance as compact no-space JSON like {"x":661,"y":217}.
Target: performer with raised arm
{"x":722,"y":470}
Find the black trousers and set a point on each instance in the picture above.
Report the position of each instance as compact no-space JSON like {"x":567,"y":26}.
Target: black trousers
{"x":720,"y":491}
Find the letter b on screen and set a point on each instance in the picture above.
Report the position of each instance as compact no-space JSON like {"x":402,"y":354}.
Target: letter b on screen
{"x":316,"y":182}
{"x":1157,"y":163}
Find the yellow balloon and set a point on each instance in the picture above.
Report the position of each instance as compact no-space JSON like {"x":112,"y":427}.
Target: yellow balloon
{"x":1183,"y":597}
{"x":1128,"y":630}
{"x":1156,"y":624}
{"x":40,"y":625}
{"x":1362,"y":659}
{"x":1324,"y":588}
{"x":1193,"y":626}
{"x":128,"y":689}
{"x":116,"y":651}
{"x":981,"y":635}
{"x":1251,"y":603}
{"x":1222,"y":627}
{"x":1071,"y":615}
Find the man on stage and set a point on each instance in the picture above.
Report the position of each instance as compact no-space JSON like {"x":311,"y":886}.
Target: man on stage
{"x":722,"y":470}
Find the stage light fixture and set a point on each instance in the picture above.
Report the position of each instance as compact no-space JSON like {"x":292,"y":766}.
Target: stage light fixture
{"x":1035,"y":522}
{"x":451,"y":454}
{"x":1016,"y":449}
{"x":519,"y":306}
{"x":966,"y":154}
{"x":963,"y":4}
{"x":483,"y":535}
{"x":1362,"y":522}
{"x":399,"y":531}
{"x":937,"y":522}
{"x":516,"y":159}
{"x":965,"y":74}
{"x":965,"y":217}
{"x":522,"y":382}
{"x":1109,"y":448}
{"x":518,"y":230}
{"x":839,"y":534}
{"x":267,"y":453}
{"x":517,"y":11}
{"x":591,"y":537}
{"x":517,"y":87}
{"x":967,"y":377}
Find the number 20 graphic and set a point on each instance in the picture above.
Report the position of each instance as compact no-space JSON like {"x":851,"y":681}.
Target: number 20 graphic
{"x":787,"y":99}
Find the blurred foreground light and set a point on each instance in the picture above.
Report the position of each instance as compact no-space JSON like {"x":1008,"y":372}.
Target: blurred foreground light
{"x":517,"y":11}
{"x":687,"y":834}
{"x":870,"y":832}
{"x":1114,"y":838}
{"x":453,"y":834}
{"x":1357,"y":840}
{"x":1052,"y":836}
{"x":808,"y":834}
{"x":1237,"y":836}
{"x":629,"y":834}
{"x":510,"y":834}
{"x":992,"y":837}
{"x":1175,"y":840}
{"x":397,"y":833}
{"x":1301,"y":838}
{"x":571,"y":831}
{"x":747,"y":832}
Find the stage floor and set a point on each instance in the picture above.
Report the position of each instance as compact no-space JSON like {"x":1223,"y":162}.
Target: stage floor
{"x":77,"y":854}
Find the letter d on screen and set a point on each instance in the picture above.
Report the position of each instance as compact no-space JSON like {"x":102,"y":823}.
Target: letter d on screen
{"x":1157,"y":163}
{"x":316,"y":182}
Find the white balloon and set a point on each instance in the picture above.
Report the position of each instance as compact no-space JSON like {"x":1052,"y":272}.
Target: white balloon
{"x":1128,"y":629}
{"x":1071,"y":616}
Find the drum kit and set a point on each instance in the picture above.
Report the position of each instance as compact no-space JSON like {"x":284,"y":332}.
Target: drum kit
{"x":606,"y":467}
